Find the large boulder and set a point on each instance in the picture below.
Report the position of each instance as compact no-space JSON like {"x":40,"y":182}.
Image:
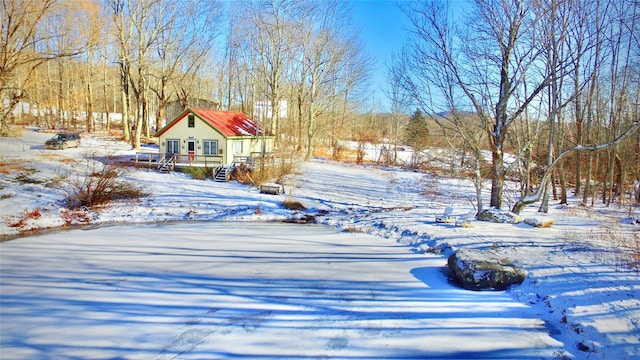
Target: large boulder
{"x":484,"y":270}
{"x":539,"y":222}
{"x":499,"y":216}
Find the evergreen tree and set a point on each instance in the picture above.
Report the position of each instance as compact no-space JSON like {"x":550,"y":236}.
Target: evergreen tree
{"x":417,"y":131}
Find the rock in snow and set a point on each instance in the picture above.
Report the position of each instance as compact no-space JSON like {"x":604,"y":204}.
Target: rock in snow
{"x":539,"y":222}
{"x":499,"y":216}
{"x":484,"y":270}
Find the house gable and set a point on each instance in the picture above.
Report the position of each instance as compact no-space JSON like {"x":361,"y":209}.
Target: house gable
{"x":228,"y":124}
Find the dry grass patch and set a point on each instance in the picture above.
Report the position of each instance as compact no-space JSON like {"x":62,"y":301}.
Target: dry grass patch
{"x":621,"y":246}
{"x":27,"y":215}
{"x":8,"y":168}
{"x":293,"y":204}
{"x":75,"y":217}
{"x":49,"y":156}
{"x":351,"y":229}
{"x":54,"y":156}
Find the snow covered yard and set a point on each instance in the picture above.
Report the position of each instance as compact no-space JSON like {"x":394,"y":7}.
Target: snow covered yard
{"x":209,"y":290}
{"x":242,"y":286}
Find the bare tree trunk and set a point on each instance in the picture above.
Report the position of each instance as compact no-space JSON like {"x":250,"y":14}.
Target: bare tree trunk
{"x":588,"y":177}
{"x":300,"y":116}
{"x":89,"y":121}
{"x":126,"y":105}
{"x":60,"y":98}
{"x":106,"y":99}
{"x":562,"y":174}
{"x":89,"y":92}
{"x":497,"y":179}
{"x":553,"y":49}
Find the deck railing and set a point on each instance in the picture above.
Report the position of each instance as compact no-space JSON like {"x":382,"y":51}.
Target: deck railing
{"x":148,"y":159}
{"x":171,"y":161}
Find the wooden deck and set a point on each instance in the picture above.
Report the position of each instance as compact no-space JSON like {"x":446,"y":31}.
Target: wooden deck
{"x":170,"y":162}
{"x":155,"y":160}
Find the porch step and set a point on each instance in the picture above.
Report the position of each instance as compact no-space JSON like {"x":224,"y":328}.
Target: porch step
{"x":165,"y":165}
{"x":222,"y":174}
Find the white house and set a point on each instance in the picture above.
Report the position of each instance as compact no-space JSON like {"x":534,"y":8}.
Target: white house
{"x":202,"y":137}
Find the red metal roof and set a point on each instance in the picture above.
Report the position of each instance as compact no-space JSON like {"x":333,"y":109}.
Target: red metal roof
{"x":228,"y":123}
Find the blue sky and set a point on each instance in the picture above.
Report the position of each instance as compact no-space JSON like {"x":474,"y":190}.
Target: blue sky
{"x":382,"y":27}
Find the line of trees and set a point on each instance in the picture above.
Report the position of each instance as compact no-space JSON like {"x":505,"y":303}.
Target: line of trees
{"x":554,"y":82}
{"x":74,"y":59}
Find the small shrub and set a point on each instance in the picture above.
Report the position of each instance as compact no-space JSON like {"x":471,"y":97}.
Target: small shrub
{"x":267,"y":173}
{"x":199,"y":173}
{"x":264,"y":174}
{"x":242,"y":174}
{"x":292,"y":204}
{"x":98,"y":186}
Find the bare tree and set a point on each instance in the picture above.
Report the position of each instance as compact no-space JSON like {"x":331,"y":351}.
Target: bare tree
{"x":554,"y":16}
{"x":522,"y":202}
{"x":321,"y":56}
{"x":137,"y":31}
{"x":485,"y":64}
{"x":273,"y":24}
{"x":608,"y":108}
{"x":123,"y":34}
{"x":25,"y":46}
{"x":88,"y":17}
{"x":349,"y":86}
{"x":400,"y":102}
{"x":583,"y":40}
{"x":188,"y":35}
{"x":143,"y":16}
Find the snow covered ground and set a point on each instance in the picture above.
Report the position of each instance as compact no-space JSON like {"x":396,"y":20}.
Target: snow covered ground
{"x":201,"y":269}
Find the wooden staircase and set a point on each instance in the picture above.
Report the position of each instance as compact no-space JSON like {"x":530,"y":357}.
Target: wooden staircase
{"x":222,"y":173}
{"x":166,"y":164}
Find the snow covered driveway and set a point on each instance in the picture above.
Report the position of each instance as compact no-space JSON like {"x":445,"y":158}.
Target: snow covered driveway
{"x":247,"y":289}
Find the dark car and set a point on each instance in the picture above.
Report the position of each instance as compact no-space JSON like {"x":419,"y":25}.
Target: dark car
{"x":63,"y":141}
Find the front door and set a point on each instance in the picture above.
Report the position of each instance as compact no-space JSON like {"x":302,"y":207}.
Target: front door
{"x":191,"y":149}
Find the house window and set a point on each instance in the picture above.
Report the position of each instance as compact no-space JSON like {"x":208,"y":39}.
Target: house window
{"x":173,"y":146}
{"x":191,"y":121}
{"x":237,"y":147}
{"x":210,"y":147}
